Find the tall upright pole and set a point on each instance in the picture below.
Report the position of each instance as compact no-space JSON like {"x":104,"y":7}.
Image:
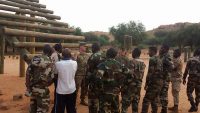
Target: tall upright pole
{"x":21,"y":60}
{"x":2,"y":48}
{"x":32,"y":39}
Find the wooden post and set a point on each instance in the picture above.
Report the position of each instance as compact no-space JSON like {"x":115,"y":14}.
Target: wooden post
{"x":22,"y":62}
{"x":32,"y":39}
{"x":2,"y":48}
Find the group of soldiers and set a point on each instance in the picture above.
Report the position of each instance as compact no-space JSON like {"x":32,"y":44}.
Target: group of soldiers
{"x":111,"y":75}
{"x":104,"y":77}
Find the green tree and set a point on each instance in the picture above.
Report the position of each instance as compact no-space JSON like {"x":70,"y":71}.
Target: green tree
{"x":136,"y":30}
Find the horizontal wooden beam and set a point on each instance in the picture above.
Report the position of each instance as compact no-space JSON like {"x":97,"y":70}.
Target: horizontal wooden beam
{"x":35,"y":26}
{"x":7,"y":15}
{"x":28,"y":3}
{"x":26,"y":7}
{"x":16,"y":32}
{"x":24,"y":11}
{"x":37,"y":1}
{"x":41,"y":44}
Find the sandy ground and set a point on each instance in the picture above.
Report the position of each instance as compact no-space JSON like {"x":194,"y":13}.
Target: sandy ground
{"x":11,"y":84}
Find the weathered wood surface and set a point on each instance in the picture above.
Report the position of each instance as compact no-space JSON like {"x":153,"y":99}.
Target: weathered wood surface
{"x":26,"y":7}
{"x":28,"y":3}
{"x":41,"y":44}
{"x":7,"y":15}
{"x":36,"y":26}
{"x":12,"y":9}
{"x":37,"y":1}
{"x":16,"y":32}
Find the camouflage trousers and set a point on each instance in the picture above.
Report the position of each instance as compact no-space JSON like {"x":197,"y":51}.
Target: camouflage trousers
{"x":131,"y":99}
{"x":164,"y":95}
{"x":93,"y":105}
{"x":152,"y":96}
{"x":193,"y":84}
{"x":109,"y":103}
{"x":80,"y":83}
{"x":176,"y":87}
{"x":39,"y":104}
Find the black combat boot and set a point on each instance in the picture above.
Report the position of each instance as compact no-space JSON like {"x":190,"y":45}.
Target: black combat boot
{"x":174,"y":108}
{"x":193,"y":107}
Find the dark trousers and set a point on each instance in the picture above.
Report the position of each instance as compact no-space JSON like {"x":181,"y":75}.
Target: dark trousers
{"x":67,"y":101}
{"x":55,"y":85}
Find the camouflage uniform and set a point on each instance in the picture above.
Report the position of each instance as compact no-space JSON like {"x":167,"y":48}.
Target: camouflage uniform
{"x":81,"y":73}
{"x":123,"y":60}
{"x":176,"y":79}
{"x":193,"y":79}
{"x":93,"y":97}
{"x":167,"y":66}
{"x":40,"y":71}
{"x":154,"y":83}
{"x":132,"y":87}
{"x":110,"y":75}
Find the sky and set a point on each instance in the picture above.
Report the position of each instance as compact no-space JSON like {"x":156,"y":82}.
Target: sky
{"x":100,"y":15}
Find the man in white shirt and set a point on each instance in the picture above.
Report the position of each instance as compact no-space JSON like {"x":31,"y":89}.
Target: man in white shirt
{"x":66,"y":88}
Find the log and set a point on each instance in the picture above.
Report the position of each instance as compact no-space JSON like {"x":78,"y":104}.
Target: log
{"x":36,"y":26}
{"x":7,"y":15}
{"x":41,"y":44}
{"x":26,"y":7}
{"x":28,"y":3}
{"x":6,"y":8}
{"x":16,"y":32}
{"x":22,"y":51}
{"x":37,"y":1}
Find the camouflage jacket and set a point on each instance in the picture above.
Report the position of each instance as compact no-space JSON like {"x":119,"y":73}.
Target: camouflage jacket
{"x":136,"y":67}
{"x":192,"y":67}
{"x":90,"y":81}
{"x":133,"y":81}
{"x":82,"y":64}
{"x":40,"y":72}
{"x":154,"y":70}
{"x":110,"y":75}
{"x":177,"y":71}
{"x":123,"y":60}
{"x":167,"y":67}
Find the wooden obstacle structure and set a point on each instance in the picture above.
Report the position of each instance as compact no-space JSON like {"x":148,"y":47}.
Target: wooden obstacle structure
{"x":28,"y":19}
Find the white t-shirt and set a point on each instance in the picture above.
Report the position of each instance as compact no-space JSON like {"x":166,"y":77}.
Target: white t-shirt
{"x":66,"y":72}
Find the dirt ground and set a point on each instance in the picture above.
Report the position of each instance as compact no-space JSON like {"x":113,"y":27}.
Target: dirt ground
{"x":11,"y":84}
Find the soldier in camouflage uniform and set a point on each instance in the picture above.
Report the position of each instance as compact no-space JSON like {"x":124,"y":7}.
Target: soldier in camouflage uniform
{"x":193,"y":79}
{"x":40,"y":71}
{"x":176,"y":78}
{"x":122,"y":57}
{"x":167,"y":67}
{"x":110,"y":76}
{"x":132,"y":84}
{"x":94,"y":60}
{"x":81,"y":72}
{"x":154,"y":82}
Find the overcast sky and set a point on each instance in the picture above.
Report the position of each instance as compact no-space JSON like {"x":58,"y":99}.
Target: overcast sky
{"x":100,"y":15}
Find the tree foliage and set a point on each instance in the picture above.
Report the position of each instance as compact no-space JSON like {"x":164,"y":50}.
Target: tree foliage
{"x":91,"y":37}
{"x":186,"y":36}
{"x":136,"y":30}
